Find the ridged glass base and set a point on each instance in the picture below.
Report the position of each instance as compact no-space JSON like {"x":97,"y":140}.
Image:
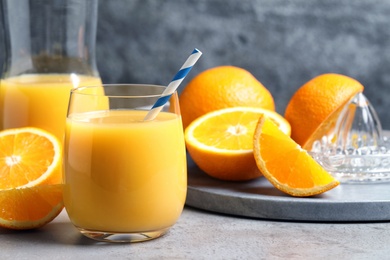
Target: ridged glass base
{"x":114,"y":237}
{"x":362,"y":178}
{"x":356,"y":168}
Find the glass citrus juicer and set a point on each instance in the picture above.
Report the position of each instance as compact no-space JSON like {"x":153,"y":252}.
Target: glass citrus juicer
{"x":351,"y":144}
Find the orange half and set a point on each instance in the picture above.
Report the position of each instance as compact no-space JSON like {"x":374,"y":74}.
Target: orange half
{"x":30,"y":178}
{"x":28,"y":208}
{"x":221,"y":142}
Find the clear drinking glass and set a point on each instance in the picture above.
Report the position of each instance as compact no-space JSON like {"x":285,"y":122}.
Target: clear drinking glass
{"x":125,"y":178}
{"x":50,"y":49}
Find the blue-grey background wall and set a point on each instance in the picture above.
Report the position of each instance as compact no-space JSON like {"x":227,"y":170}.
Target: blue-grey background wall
{"x":283,"y":43}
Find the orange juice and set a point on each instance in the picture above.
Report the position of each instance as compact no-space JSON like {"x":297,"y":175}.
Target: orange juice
{"x":39,"y":100}
{"x":123,"y":174}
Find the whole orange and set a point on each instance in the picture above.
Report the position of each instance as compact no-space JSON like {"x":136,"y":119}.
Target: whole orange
{"x":315,"y":101}
{"x":222,"y":87}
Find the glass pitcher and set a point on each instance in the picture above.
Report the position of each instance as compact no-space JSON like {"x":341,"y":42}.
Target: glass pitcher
{"x":50,"y":49}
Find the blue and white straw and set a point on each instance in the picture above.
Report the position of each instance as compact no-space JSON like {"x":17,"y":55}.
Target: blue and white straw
{"x":174,"y":84}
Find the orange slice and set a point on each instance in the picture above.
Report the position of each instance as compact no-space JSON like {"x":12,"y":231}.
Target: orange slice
{"x":221,"y":142}
{"x":286,"y":165}
{"x":30,"y":178}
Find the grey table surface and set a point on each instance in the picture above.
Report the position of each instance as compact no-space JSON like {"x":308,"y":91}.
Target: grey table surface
{"x":204,"y":235}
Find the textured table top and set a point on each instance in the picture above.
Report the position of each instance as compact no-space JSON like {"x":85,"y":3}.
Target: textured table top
{"x":207,"y":235}
{"x":204,"y":235}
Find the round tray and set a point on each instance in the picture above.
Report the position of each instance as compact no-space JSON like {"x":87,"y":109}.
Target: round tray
{"x":259,"y":199}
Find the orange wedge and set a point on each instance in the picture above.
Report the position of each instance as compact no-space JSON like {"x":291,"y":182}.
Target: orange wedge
{"x":30,"y":178}
{"x":286,"y":165}
{"x":221,"y":142}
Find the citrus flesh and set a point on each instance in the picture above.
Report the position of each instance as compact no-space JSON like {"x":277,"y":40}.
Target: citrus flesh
{"x":222,"y":87}
{"x":286,"y":165}
{"x":221,"y":142}
{"x":28,"y":157}
{"x":30,"y":178}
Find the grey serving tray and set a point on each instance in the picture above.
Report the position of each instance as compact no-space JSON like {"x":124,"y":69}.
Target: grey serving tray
{"x":259,"y":199}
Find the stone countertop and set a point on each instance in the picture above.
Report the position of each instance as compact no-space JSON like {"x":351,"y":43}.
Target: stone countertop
{"x":205,"y":235}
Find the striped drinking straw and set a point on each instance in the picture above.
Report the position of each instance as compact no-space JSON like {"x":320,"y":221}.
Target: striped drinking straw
{"x":175,"y":82}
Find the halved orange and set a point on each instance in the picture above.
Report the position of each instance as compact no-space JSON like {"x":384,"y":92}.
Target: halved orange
{"x":30,"y":178}
{"x":314,"y":102}
{"x":221,"y":142}
{"x":32,"y":207}
{"x":286,"y":165}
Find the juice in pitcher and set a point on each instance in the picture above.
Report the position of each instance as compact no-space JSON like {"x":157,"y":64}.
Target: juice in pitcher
{"x":123,"y":174}
{"x":49,"y":50}
{"x":39,"y":100}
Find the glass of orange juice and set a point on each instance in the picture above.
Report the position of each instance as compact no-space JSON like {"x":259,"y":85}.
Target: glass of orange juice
{"x":125,"y":178}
